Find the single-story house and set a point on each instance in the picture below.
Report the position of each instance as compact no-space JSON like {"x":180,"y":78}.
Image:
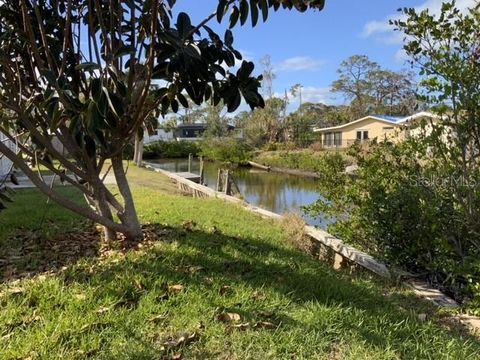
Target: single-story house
{"x":157,"y":135}
{"x":193,"y":131}
{"x":370,"y":127}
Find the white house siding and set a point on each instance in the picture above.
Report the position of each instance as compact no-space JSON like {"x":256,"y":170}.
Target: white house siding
{"x":160,"y":135}
{"x":5,"y":164}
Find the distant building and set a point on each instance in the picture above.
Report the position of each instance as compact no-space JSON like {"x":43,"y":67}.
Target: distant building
{"x":158,"y":135}
{"x":379,"y":127}
{"x":194,"y":131}
{"x":184,"y":132}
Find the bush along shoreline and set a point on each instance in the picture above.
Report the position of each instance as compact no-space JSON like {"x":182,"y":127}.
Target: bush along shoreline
{"x":404,"y":208}
{"x":170,"y":149}
{"x":225,"y":150}
{"x":232,"y":151}
{"x":305,"y":160}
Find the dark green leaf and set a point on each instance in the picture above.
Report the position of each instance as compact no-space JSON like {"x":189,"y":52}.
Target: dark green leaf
{"x":96,"y":89}
{"x":89,"y":66}
{"x":183,"y":100}
{"x":174,"y":104}
{"x":183,"y":24}
{"x":49,"y":76}
{"x":228,"y":39}
{"x":234,"y":16}
{"x":254,"y":12}
{"x":234,"y":103}
{"x":243,"y":11}
{"x":124,"y":50}
{"x":264,"y":7}
{"x":221,"y":9}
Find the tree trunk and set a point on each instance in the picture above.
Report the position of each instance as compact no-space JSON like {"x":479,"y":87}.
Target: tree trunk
{"x":138,"y":150}
{"x":103,"y":209}
{"x":129,"y":217}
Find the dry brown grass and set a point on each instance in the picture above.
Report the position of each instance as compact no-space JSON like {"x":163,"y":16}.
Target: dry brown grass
{"x":294,"y":227}
{"x":316,"y":146}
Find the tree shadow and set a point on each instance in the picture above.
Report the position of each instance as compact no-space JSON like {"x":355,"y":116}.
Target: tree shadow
{"x":28,"y":253}
{"x":206,"y":260}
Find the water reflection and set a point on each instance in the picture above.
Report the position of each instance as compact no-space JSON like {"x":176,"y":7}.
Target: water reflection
{"x":276,"y":192}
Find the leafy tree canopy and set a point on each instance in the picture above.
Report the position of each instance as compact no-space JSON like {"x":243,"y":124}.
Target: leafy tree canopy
{"x":81,"y":71}
{"x":372,"y":89}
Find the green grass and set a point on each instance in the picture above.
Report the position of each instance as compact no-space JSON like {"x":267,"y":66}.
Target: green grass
{"x":124,"y":305}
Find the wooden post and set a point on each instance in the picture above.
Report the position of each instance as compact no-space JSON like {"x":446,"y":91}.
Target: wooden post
{"x":235,"y":185}
{"x":219,"y":178}
{"x":227,"y":183}
{"x":189,"y":163}
{"x":201,"y":170}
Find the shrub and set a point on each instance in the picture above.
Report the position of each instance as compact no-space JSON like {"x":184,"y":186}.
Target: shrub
{"x":170,"y":149}
{"x":404,"y":207}
{"x":316,"y":146}
{"x":228,"y":150}
{"x":303,"y":160}
{"x":294,"y":227}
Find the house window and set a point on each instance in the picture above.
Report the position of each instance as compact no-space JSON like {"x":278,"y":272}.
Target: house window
{"x":328,"y":139}
{"x":362,"y":135}
{"x":338,"y":139}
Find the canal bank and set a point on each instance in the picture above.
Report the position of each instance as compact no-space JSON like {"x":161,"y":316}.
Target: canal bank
{"x":278,"y":192}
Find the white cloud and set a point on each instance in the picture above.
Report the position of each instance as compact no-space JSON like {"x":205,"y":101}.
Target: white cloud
{"x":401,"y":56}
{"x":374,"y":27}
{"x":377,"y":27}
{"x":311,"y":94}
{"x":299,"y":63}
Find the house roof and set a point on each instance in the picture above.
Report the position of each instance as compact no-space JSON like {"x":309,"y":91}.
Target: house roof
{"x":393,"y":120}
{"x":198,"y":126}
{"x":192,"y":126}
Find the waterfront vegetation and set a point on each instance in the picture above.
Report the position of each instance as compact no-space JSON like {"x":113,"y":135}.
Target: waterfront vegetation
{"x":406,"y":207}
{"x":210,"y":280}
{"x":299,"y":159}
{"x":225,"y":150}
{"x":236,"y":152}
{"x":170,"y":149}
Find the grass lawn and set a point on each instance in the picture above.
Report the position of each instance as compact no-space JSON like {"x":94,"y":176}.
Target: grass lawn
{"x":212,"y":281}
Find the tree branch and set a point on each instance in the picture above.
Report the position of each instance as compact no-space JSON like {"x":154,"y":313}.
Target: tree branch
{"x":44,"y":188}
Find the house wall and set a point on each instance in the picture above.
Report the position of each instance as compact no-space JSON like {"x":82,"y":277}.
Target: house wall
{"x":421,"y":129}
{"x":384,"y":130}
{"x":376,"y":129}
{"x":161,"y":135}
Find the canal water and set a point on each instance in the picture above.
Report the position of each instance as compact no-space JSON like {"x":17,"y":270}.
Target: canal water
{"x":277,"y":192}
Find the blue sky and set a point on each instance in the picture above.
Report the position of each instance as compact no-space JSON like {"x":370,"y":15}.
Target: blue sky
{"x":308,"y":48}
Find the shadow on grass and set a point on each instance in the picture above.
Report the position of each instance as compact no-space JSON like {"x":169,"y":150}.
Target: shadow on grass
{"x":205,"y":263}
{"x":28,"y":253}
